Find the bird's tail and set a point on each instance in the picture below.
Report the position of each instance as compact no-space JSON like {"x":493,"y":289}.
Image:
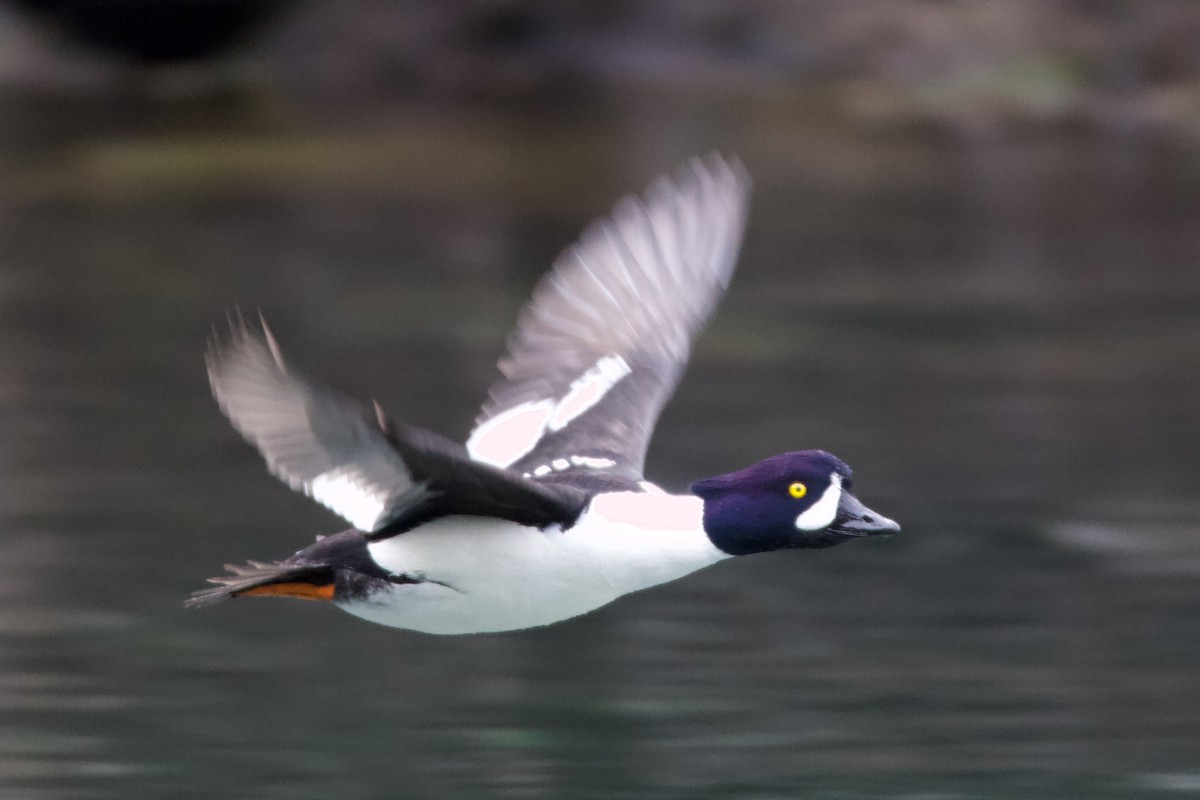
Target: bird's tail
{"x":256,"y":578}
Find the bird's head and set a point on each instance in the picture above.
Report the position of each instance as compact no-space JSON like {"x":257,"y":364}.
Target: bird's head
{"x":801,"y":499}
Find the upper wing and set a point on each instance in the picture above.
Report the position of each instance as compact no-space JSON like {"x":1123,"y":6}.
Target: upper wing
{"x":381,"y":477}
{"x":599,"y":349}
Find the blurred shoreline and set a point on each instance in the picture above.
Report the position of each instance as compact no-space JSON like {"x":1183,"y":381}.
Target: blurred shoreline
{"x":975,"y":68}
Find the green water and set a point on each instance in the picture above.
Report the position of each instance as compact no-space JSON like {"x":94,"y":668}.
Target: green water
{"x":1000,"y":336}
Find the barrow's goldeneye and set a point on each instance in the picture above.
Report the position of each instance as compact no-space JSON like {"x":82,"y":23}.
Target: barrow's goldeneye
{"x":544,"y":514}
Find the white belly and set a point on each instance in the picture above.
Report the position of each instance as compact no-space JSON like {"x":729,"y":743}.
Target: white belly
{"x":486,"y":575}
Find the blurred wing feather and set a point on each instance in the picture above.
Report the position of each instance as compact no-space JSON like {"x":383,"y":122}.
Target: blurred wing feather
{"x":599,"y":349}
{"x":313,"y":439}
{"x":382,"y":477}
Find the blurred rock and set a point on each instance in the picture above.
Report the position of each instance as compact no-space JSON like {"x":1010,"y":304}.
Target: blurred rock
{"x":974,"y":67}
{"x":156,"y":31}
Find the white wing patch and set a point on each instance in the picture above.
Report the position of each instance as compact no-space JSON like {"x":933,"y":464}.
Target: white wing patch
{"x":589,"y":389}
{"x":822,"y":513}
{"x":513,"y":433}
{"x":592,"y":463}
{"x":344,"y":492}
{"x":561,"y":464}
{"x":510,"y":434}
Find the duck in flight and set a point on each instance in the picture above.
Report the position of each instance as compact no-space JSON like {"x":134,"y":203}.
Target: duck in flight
{"x":544,"y":514}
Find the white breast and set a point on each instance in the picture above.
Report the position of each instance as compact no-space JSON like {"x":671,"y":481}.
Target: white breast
{"x":489,"y":575}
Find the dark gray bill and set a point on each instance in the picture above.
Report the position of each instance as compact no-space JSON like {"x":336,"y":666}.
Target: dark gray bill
{"x":855,"y":519}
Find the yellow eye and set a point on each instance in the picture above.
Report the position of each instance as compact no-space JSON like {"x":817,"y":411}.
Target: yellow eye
{"x":797,"y":490}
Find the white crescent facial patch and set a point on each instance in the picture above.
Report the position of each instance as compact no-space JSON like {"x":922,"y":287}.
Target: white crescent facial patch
{"x":822,"y":513}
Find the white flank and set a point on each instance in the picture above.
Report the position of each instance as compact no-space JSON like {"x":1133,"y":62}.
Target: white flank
{"x":341,"y":492}
{"x":489,"y":575}
{"x":510,"y":434}
{"x":588,"y":390}
{"x":822,"y":513}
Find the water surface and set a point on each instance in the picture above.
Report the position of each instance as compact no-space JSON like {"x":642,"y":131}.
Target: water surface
{"x":1000,"y":336}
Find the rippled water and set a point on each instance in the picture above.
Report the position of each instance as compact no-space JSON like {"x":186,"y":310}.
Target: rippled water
{"x":1001,"y":337}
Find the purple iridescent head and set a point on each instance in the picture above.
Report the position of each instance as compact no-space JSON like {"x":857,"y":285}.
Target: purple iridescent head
{"x":793,"y":500}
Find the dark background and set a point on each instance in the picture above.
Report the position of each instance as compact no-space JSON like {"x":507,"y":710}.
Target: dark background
{"x":971,"y":271}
